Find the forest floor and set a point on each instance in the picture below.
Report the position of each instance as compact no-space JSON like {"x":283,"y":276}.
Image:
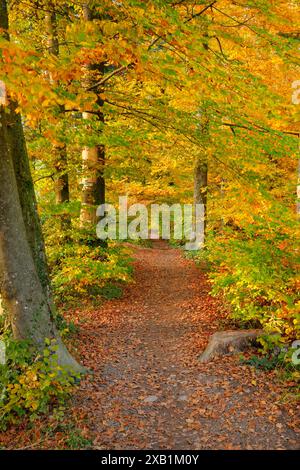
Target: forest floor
{"x":149,"y":391}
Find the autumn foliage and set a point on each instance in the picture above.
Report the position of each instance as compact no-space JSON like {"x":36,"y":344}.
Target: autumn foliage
{"x":113,"y":97}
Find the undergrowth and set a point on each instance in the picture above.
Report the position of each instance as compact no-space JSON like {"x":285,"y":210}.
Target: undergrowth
{"x":81,"y":266}
{"x":32,"y":383}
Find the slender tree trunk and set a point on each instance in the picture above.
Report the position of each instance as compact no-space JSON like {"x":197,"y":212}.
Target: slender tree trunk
{"x":4,"y":18}
{"x":222,"y":195}
{"x":93,"y":184}
{"x":298,"y":184}
{"x":93,"y":158}
{"x":201,"y":171}
{"x":200,"y":186}
{"x":62,"y":193}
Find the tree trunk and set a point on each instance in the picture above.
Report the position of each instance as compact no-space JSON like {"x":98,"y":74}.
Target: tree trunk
{"x":298,"y":184}
{"x":27,"y":305}
{"x":62,"y":193}
{"x":27,"y":196}
{"x":24,"y":180}
{"x":93,"y":184}
{"x":24,"y":291}
{"x":93,"y":158}
{"x":201,"y":170}
{"x":4,"y":18}
{"x":200,"y":186}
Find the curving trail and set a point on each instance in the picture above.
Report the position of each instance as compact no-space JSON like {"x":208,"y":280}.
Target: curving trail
{"x":149,"y":391}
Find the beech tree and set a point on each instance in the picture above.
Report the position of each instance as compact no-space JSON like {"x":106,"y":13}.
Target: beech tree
{"x":62,"y":192}
{"x":149,"y":67}
{"x":24,"y":282}
{"x":93,"y":158}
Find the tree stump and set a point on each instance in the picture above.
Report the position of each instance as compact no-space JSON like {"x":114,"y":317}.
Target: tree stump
{"x":225,"y":342}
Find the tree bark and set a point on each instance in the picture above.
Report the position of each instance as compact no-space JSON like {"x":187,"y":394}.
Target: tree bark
{"x":24,"y":291}
{"x":200,"y":186}
{"x":27,"y":305}
{"x":93,"y":184}
{"x":4,"y":18}
{"x":93,"y":158}
{"x":24,"y":180}
{"x":27,"y":196}
{"x":201,"y":171}
{"x":298,"y":184}
{"x":62,"y":192}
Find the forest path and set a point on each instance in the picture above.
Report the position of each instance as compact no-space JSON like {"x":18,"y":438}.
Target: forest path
{"x":150,"y":392}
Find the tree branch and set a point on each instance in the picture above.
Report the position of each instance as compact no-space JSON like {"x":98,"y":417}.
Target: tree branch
{"x":44,"y":177}
{"x":200,"y":12}
{"x":109,"y":76}
{"x":259,"y":129}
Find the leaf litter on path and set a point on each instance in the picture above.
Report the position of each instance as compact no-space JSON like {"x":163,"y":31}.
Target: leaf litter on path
{"x":149,"y":391}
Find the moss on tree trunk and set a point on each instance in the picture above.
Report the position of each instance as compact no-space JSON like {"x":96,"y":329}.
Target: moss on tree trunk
{"x":24,"y":282}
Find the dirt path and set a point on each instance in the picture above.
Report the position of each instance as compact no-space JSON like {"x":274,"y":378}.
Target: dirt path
{"x":150,"y":392}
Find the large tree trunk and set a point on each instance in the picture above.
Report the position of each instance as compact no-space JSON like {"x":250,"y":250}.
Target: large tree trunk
{"x":27,"y":196}
{"x":22,"y":287}
{"x":27,"y":305}
{"x":24,"y":179}
{"x":93,"y":158}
